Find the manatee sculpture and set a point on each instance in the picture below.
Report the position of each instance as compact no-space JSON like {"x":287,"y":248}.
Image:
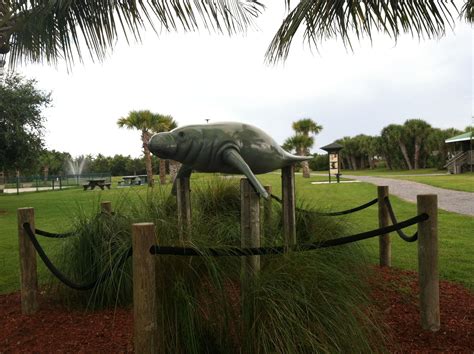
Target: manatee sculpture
{"x":223,"y":147}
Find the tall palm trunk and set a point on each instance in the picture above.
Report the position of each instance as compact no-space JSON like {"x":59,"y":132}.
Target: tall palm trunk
{"x":148,"y":165}
{"x":403,"y":148}
{"x":162,"y":171}
{"x":416,"y":155}
{"x":304,"y":164}
{"x":174,"y":167}
{"x":354,"y":163}
{"x":388,"y":162}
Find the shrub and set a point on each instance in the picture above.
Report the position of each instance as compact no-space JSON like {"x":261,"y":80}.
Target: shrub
{"x":305,"y":302}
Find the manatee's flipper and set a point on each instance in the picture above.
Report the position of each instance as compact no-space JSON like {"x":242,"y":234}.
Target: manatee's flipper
{"x":232,"y":157}
{"x":184,"y":171}
{"x":296,"y":158}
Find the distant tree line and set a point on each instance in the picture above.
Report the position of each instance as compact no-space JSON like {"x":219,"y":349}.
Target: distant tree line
{"x":56,"y":163}
{"x":411,"y":145}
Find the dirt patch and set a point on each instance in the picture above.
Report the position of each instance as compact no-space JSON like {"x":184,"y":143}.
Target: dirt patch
{"x":3,"y":212}
{"x":395,"y":294}
{"x":56,"y":329}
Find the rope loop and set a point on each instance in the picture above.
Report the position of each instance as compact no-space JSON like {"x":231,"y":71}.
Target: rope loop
{"x":336,"y":213}
{"x":58,"y":274}
{"x":400,"y":233}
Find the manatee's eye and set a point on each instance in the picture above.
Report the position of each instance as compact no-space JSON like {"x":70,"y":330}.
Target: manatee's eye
{"x":181,"y":134}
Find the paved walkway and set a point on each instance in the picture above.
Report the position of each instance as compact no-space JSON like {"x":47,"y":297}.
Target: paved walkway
{"x":450,"y":200}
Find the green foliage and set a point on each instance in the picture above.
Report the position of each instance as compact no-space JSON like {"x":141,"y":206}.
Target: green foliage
{"x":21,"y":122}
{"x":303,"y":140}
{"x":319,"y":162}
{"x":323,"y":19}
{"x":305,"y":302}
{"x":53,"y":162}
{"x":40,"y":30}
{"x":413,"y":145}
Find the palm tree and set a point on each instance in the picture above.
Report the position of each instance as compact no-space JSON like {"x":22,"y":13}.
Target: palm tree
{"x":47,"y":30}
{"x":147,"y":123}
{"x":395,"y":135}
{"x":300,"y":143}
{"x":305,"y":127}
{"x":326,"y":19}
{"x":418,"y":130}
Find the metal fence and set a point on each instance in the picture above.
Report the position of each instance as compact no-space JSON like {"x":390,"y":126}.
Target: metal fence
{"x":50,"y":182}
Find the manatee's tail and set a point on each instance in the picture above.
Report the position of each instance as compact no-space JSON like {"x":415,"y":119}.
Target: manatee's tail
{"x":295,"y":158}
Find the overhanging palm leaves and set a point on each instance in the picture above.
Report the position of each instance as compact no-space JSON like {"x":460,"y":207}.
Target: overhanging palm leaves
{"x":346,"y":18}
{"x":37,"y":30}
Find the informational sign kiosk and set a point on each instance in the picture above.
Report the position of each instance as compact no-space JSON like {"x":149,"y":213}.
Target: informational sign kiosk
{"x":334,"y":160}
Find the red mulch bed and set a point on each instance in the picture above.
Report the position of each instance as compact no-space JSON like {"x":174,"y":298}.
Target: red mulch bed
{"x":54,"y":328}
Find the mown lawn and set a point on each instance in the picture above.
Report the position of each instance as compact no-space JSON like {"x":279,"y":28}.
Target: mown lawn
{"x":386,"y":172}
{"x":462,"y":182}
{"x":54,"y":209}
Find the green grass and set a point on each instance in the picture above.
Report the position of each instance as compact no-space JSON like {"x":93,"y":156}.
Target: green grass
{"x":387,"y":172}
{"x":461,"y":182}
{"x":55,"y":209}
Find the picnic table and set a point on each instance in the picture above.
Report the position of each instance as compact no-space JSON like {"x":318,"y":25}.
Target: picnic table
{"x":130,"y":181}
{"x":92,"y":183}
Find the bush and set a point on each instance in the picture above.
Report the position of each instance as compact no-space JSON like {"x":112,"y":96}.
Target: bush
{"x":305,"y":302}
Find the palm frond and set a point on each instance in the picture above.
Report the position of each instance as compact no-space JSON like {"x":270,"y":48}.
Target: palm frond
{"x":467,"y":11}
{"x":347,"y":19}
{"x":47,"y":30}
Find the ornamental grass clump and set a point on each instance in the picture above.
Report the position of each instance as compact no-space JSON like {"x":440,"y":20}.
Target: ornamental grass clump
{"x":304,"y":302}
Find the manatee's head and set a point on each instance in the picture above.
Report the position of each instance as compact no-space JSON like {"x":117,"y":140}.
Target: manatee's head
{"x":163,"y":145}
{"x":176,"y":144}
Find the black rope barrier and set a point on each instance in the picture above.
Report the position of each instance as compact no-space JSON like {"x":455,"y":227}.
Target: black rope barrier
{"x":262,"y":251}
{"x":53,"y":235}
{"x":400,"y":233}
{"x":336,"y":213}
{"x":57,"y":273}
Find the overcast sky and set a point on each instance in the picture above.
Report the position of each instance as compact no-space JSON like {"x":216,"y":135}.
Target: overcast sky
{"x":195,"y":76}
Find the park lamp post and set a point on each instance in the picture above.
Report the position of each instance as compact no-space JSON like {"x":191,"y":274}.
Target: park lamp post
{"x":334,"y":160}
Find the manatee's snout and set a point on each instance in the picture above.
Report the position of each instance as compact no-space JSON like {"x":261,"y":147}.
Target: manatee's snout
{"x":163,"y":145}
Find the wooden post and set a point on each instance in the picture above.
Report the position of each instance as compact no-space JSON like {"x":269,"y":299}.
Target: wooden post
{"x":145,"y":323}
{"x":28,"y":275}
{"x":250,"y":237}
{"x":289,"y":205}
{"x":267,"y":213}
{"x":428,"y":262}
{"x":385,"y":251}
{"x":183,"y":196}
{"x":106,"y":208}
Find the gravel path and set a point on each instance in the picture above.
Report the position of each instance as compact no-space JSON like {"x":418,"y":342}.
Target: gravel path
{"x":450,"y":200}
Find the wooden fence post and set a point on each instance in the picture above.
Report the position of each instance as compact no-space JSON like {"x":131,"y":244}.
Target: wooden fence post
{"x":385,"y":251}
{"x":145,"y":317}
{"x":250,"y":237}
{"x":28,"y":275}
{"x":183,"y":196}
{"x":106,"y":208}
{"x":288,"y":205}
{"x":267,"y":213}
{"x":428,"y":262}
